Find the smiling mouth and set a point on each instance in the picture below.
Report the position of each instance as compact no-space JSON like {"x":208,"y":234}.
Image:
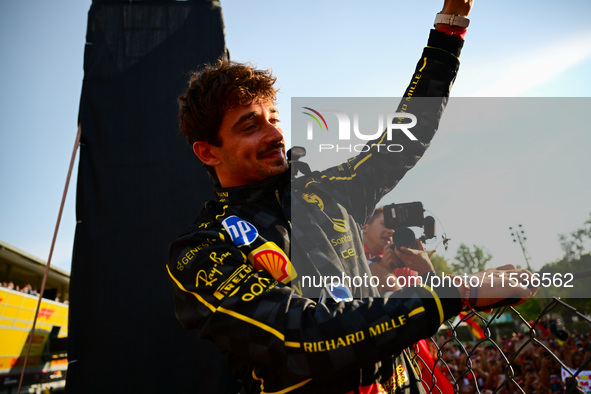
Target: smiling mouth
{"x":276,"y":151}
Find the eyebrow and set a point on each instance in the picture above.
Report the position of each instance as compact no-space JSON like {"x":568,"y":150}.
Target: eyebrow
{"x":253,"y":114}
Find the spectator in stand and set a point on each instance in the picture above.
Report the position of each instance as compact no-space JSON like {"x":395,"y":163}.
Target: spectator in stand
{"x":532,"y":367}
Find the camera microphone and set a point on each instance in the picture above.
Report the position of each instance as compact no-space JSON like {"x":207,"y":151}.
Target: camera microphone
{"x":429,"y":227}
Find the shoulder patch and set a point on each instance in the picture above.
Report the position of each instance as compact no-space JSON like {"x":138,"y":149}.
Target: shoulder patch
{"x":271,"y":258}
{"x":241,"y":232}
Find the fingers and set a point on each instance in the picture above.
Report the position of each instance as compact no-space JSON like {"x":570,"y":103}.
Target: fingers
{"x":460,"y":7}
{"x":506,"y":267}
{"x":523,"y":278}
{"x":414,"y":259}
{"x":504,"y":285}
{"x":516,"y":277}
{"x":389,"y":258}
{"x":420,"y":245}
{"x":408,"y":251}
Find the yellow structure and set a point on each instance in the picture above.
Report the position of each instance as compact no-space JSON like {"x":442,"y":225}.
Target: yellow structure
{"x":17,"y":311}
{"x":47,"y":359}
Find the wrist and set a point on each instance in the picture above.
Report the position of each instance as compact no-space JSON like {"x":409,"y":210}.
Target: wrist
{"x":451,"y":24}
{"x":467,"y":294}
{"x":455,"y":20}
{"x":445,"y":43}
{"x":466,"y":304}
{"x":452,"y":30}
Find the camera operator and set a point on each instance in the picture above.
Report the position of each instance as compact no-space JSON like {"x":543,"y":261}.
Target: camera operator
{"x":387,"y":261}
{"x":377,"y":239}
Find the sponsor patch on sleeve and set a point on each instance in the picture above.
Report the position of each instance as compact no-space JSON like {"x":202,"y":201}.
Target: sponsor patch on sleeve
{"x":272,"y":259}
{"x":241,"y":232}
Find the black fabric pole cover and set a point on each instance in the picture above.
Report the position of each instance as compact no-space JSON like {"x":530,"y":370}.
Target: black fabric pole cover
{"x":139,"y":186}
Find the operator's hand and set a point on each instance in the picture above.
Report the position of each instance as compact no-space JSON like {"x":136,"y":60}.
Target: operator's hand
{"x":457,"y":7}
{"x":495,"y":290}
{"x":415,"y":259}
{"x":389,"y":259}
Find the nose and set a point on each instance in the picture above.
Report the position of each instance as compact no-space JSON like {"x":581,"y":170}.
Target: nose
{"x":273,"y":133}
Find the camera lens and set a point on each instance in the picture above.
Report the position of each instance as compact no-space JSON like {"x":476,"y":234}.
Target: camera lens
{"x":403,"y":236}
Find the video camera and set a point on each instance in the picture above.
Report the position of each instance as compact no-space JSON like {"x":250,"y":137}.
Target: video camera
{"x":297,"y":167}
{"x":399,"y":217}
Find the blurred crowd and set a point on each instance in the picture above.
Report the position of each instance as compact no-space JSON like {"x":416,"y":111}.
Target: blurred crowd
{"x":27,"y":289}
{"x":491,"y":365}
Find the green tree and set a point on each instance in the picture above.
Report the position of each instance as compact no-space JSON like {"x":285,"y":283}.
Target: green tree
{"x":529,"y":310}
{"x":440,"y":264}
{"x":569,"y":278}
{"x":577,"y":243}
{"x":574,"y":289}
{"x":470,"y":260}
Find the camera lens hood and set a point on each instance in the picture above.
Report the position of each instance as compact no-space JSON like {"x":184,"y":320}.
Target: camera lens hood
{"x":403,"y":236}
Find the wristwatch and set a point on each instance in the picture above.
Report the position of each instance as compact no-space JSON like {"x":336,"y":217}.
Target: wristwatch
{"x":452,"y":20}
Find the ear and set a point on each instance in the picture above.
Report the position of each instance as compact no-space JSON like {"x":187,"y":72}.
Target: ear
{"x":206,"y":153}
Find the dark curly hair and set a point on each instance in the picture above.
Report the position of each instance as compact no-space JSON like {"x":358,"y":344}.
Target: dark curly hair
{"x":214,"y":90}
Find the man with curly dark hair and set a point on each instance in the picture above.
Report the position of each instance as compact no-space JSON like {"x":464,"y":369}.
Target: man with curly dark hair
{"x":218,"y":91}
{"x":237,"y":271}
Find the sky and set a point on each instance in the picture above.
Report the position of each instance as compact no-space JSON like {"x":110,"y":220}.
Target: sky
{"x":477,"y":182}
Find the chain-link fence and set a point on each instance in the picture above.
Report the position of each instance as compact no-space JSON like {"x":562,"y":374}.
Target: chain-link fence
{"x":503,"y":352}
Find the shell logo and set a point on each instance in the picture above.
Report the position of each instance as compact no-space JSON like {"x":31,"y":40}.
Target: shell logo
{"x":272,"y":259}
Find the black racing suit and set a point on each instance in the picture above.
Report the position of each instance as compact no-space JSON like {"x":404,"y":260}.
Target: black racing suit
{"x":232,"y":279}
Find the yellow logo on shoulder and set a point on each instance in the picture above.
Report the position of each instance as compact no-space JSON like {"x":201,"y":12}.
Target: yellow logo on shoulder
{"x":339,"y":225}
{"x":314,"y":199}
{"x":271,"y":258}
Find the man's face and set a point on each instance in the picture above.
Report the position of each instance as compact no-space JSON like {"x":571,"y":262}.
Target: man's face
{"x":252,"y":145}
{"x":376,"y":235}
